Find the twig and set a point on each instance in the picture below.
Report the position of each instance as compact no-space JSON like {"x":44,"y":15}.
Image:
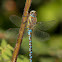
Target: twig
{"x":21,"y":31}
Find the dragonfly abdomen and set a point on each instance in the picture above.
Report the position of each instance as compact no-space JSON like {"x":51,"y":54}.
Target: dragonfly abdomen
{"x":30,"y":44}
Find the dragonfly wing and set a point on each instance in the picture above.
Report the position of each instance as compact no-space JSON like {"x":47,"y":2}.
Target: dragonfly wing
{"x":43,"y":36}
{"x":15,"y":20}
{"x":13,"y":30}
{"x":12,"y":33}
{"x":45,"y":25}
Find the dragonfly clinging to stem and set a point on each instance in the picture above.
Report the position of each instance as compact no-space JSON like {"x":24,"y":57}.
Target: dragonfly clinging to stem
{"x":31,"y":24}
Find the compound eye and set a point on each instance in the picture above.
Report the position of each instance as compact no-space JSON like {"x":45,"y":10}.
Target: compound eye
{"x":35,"y":12}
{"x":32,"y":12}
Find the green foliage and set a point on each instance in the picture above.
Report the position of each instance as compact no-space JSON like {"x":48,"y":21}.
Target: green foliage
{"x":48,"y":12}
{"x":6,"y":53}
{"x":52,"y":47}
{"x":55,"y":46}
{"x":22,"y":58}
{"x":47,"y":60}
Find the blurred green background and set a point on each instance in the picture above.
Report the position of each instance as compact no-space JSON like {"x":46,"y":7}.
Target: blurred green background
{"x":43,"y":51}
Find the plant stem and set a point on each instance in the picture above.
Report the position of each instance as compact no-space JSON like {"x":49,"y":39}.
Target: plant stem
{"x":21,"y":31}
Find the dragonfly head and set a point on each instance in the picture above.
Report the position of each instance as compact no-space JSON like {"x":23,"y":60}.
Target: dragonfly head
{"x":33,"y":13}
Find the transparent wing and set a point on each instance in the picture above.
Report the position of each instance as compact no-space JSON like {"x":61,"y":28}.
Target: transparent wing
{"x":14,"y":32}
{"x":15,"y":20}
{"x":43,"y":36}
{"x":45,"y":25}
{"x":38,"y":34}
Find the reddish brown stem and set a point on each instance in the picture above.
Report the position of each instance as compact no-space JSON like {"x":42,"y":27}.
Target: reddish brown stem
{"x":21,"y":31}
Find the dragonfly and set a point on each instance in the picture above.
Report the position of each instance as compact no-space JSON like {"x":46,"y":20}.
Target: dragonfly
{"x":34,"y":28}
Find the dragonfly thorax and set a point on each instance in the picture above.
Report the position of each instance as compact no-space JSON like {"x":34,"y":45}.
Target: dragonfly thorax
{"x":31,"y":22}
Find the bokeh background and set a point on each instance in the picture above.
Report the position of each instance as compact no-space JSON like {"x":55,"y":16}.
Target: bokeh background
{"x":43,"y":51}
